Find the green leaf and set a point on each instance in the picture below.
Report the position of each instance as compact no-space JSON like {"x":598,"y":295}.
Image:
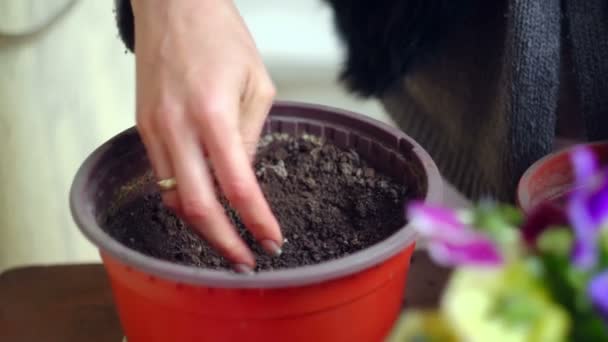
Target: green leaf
{"x":588,"y":326}
{"x":567,"y":286}
{"x":557,"y":241}
{"x":603,"y":259}
{"x":512,"y":215}
{"x":558,"y":280}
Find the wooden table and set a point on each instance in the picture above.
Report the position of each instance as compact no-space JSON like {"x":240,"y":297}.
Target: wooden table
{"x":73,"y":303}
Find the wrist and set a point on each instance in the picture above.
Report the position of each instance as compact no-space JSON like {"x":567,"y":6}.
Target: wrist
{"x":140,"y":6}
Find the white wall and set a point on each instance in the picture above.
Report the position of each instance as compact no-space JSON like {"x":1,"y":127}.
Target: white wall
{"x":302,"y":52}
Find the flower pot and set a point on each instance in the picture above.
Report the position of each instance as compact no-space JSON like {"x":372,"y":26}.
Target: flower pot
{"x":354,"y":298}
{"x":550,"y":179}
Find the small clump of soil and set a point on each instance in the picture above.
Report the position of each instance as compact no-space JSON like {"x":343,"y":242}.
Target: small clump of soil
{"x":328,"y":201}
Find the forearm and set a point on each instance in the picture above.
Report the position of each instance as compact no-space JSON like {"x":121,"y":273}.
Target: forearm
{"x":132,"y":15}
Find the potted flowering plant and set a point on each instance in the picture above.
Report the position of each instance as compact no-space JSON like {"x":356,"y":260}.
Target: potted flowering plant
{"x":542,"y":276}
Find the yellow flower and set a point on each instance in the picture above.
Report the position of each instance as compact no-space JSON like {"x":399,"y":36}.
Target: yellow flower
{"x":422,"y":326}
{"x":506,"y":304}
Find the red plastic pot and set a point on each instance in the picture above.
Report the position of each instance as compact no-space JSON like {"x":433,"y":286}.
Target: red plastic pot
{"x":355,"y":298}
{"x":550,"y":179}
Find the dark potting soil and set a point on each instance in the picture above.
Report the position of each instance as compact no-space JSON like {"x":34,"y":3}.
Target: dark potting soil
{"x":328,"y":201}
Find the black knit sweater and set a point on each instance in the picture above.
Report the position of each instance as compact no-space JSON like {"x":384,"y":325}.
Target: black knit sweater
{"x":480,"y":84}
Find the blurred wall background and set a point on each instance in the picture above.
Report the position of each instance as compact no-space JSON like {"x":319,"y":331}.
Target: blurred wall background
{"x":67,"y":90}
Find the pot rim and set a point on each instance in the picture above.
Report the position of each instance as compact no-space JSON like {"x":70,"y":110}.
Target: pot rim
{"x":84,"y":218}
{"x":524,"y":196}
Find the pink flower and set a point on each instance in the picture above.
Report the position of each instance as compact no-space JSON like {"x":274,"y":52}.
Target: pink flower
{"x":451,"y":241}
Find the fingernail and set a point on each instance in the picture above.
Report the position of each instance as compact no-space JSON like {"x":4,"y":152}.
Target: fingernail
{"x":271,"y":247}
{"x":243,"y":269}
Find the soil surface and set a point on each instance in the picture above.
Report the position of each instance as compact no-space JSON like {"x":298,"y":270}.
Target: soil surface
{"x":328,"y":201}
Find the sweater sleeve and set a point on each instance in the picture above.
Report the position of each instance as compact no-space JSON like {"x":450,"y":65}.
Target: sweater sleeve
{"x":124,"y":21}
{"x":383,"y":40}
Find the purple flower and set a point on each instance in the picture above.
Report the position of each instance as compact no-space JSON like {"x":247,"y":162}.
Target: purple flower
{"x":585,"y":165}
{"x":451,"y":241}
{"x":598,"y":292}
{"x":584,"y":251}
{"x":587,"y":206}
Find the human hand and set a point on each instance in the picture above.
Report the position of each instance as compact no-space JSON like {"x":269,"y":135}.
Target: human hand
{"x":203,"y":90}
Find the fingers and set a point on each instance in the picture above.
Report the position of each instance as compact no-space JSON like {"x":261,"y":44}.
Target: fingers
{"x":256,"y":106}
{"x":188,"y":81}
{"x":198,"y":201}
{"x":234,"y":172}
{"x":157,"y":153}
